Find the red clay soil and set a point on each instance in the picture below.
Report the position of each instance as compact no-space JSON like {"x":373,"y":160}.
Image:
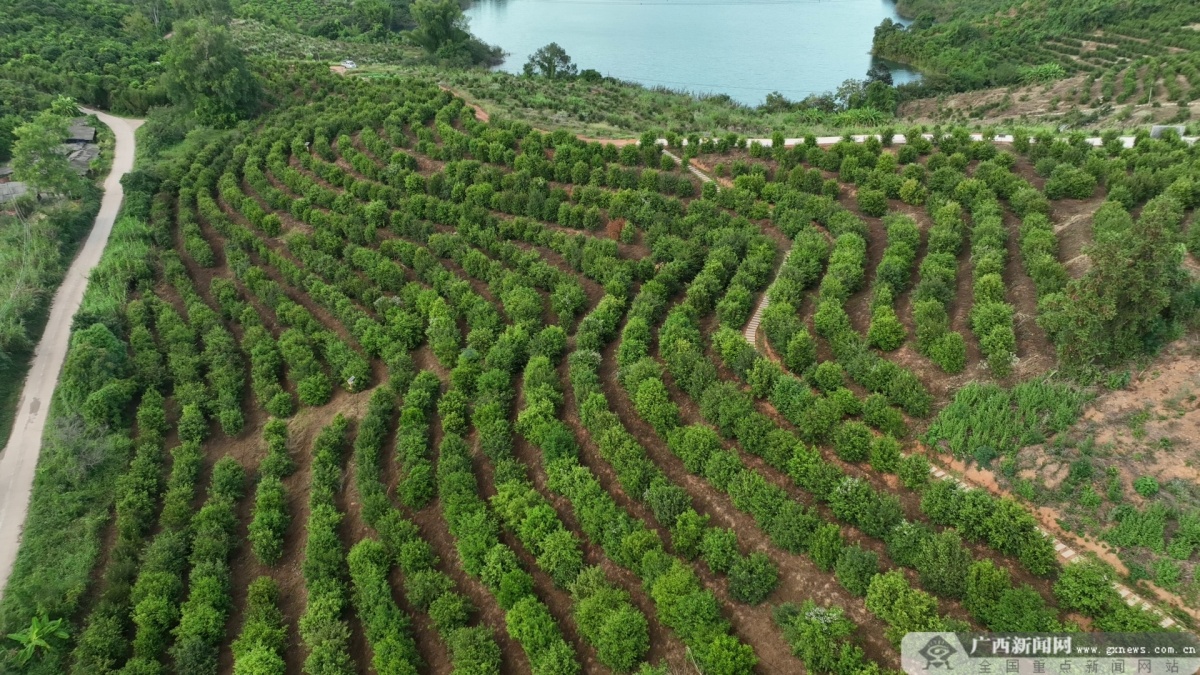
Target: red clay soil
{"x":278,"y":184}
{"x":664,"y":645}
{"x":909,"y":499}
{"x":1035,"y":352}
{"x":341,"y":162}
{"x":934,"y":379}
{"x":1024,"y":168}
{"x":612,"y":229}
{"x":302,"y":430}
{"x":859,"y":304}
{"x":288,"y":572}
{"x":480,"y":113}
{"x":294,"y":162}
{"x":964,"y":299}
{"x":432,"y":648}
{"x":433,"y":528}
{"x":289,"y":222}
{"x":557,"y":600}
{"x":752,"y":627}
{"x":708,"y":170}
{"x":356,"y":138}
{"x":322,"y":315}
{"x":248,"y":449}
{"x":1072,"y":220}
{"x":799,"y":577}
{"x":1048,"y":519}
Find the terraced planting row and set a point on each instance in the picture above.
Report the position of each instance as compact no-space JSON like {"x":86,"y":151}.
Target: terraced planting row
{"x":416,"y":393}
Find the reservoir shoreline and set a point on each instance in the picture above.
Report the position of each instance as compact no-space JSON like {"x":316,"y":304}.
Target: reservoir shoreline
{"x":745,"y":49}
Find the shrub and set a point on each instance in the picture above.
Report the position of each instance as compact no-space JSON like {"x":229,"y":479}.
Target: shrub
{"x":314,"y":390}
{"x":942,"y":564}
{"x":192,"y":427}
{"x":886,"y":331}
{"x":932,"y":323}
{"x":914,"y":471}
{"x":531,"y":625}
{"x":1086,"y":587}
{"x":654,"y":405}
{"x":1146,"y":486}
{"x":985,"y":584}
{"x":903,"y":608}
{"x":388,"y":629}
{"x":825,"y":546}
{"x":752,"y":578}
{"x":1067,"y":181}
{"x":855,"y":568}
{"x":474,"y":650}
{"x":202,"y":615}
{"x":271,"y":520}
{"x":801,"y":352}
{"x":852,"y":441}
{"x":872,"y":202}
{"x":259,"y":648}
{"x":450,"y":612}
{"x":1028,"y":200}
{"x":608,"y":620}
{"x":882,"y":416}
{"x":828,"y":376}
{"x":425,"y":586}
{"x":688,"y":533}
{"x":821,"y":637}
{"x":949,"y":352}
{"x":885,"y":454}
{"x":999,"y":344}
{"x":416,"y":485}
{"x":719,"y":549}
{"x":913,"y":193}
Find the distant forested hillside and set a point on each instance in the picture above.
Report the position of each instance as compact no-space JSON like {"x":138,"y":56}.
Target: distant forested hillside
{"x":971,"y":44}
{"x":334,"y":19}
{"x":99,"y":52}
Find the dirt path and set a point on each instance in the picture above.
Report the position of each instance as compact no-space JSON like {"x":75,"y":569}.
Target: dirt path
{"x":750,"y":332}
{"x":19,"y":458}
{"x":480,"y":114}
{"x":897,"y":139}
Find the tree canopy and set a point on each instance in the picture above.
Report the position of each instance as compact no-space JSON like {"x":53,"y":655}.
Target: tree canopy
{"x":37,"y":157}
{"x":551,"y":61}
{"x":1130,"y":300}
{"x":206,"y":72}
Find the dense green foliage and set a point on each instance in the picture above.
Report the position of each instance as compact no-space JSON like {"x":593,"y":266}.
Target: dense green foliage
{"x":331,"y":18}
{"x":974,"y":44}
{"x":613,"y":459}
{"x":1133,"y":299}
{"x":1005,"y":420}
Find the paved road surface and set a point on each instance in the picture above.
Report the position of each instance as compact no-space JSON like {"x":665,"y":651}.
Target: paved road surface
{"x":899,"y":139}
{"x":20,"y":456}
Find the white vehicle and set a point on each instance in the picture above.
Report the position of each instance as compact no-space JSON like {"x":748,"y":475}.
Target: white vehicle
{"x":349,"y":65}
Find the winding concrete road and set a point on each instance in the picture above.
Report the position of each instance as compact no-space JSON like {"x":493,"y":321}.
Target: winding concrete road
{"x":19,"y":458}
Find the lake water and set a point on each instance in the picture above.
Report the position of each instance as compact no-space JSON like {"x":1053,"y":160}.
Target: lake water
{"x":743,"y":48}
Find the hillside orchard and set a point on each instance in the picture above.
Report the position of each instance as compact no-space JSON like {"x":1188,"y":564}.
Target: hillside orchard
{"x":367,"y":383}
